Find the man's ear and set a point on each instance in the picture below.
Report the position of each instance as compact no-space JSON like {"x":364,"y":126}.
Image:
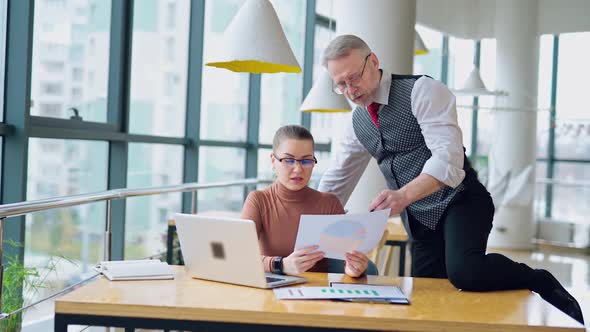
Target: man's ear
{"x":374,"y":60}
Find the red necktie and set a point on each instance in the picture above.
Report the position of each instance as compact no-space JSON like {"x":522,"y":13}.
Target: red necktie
{"x":373,"y":108}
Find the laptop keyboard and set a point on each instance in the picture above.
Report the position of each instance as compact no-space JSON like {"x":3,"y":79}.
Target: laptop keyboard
{"x":271,"y":279}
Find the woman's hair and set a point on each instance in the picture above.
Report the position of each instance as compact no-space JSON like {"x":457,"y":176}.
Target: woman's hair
{"x":342,"y":46}
{"x":290,"y":132}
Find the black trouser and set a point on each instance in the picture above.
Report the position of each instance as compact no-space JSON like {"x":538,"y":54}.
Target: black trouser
{"x":457,"y":248}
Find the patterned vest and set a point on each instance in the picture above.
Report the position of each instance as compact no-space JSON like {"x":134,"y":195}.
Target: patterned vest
{"x":400,"y":149}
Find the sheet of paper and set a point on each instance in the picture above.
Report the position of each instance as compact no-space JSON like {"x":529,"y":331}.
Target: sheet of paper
{"x":337,"y":234}
{"x":397,"y":292}
{"x":308,"y":293}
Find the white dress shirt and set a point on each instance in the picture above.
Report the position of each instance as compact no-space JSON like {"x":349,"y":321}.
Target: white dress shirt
{"x":433,"y":105}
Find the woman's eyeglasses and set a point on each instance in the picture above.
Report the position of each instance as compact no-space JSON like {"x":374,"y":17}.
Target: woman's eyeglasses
{"x":290,"y":162}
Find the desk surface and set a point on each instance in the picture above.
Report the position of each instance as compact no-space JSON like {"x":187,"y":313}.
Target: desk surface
{"x":436,"y":305}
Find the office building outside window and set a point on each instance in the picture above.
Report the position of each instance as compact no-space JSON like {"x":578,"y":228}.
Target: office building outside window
{"x":158,"y":85}
{"x":69,"y":36}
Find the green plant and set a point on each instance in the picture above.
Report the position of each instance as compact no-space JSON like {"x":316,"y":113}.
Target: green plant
{"x":20,"y":285}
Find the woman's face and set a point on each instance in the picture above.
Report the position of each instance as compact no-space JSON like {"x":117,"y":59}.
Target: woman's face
{"x":293,"y":162}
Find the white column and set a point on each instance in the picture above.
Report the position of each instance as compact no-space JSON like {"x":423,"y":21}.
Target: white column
{"x":514,"y":139}
{"x":388,"y":27}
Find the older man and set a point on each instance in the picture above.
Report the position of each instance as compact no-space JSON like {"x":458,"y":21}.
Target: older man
{"x":409,"y":125}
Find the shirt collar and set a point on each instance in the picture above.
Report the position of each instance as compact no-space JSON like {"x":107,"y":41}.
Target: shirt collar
{"x":382,"y":95}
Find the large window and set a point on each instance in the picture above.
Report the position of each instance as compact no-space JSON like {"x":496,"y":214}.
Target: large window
{"x":224,"y":103}
{"x":461,"y":58}
{"x":3,"y":5}
{"x":280,"y":95}
{"x":572,"y":135}
{"x":544,"y":95}
{"x":151,"y":165}
{"x":221,"y":164}
{"x":60,"y":167}
{"x":158,"y":81}
{"x":70,"y":61}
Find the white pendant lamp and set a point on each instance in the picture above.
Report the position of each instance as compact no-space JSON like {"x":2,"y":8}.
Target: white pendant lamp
{"x":474,"y":86}
{"x":419,"y":46}
{"x":254,"y":42}
{"x":321,"y":98}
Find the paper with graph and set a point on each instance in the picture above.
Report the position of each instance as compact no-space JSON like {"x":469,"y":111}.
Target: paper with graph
{"x":340,"y":233}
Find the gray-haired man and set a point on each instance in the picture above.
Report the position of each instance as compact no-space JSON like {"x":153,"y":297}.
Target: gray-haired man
{"x":409,"y":125}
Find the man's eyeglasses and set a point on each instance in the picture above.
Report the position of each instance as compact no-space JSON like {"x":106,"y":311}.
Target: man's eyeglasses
{"x":353,"y":80}
{"x":290,"y":162}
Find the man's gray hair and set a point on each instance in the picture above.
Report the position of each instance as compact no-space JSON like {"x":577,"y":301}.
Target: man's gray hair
{"x":341,"y":46}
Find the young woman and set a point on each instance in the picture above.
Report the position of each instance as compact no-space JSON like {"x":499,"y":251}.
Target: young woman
{"x":276,"y":210}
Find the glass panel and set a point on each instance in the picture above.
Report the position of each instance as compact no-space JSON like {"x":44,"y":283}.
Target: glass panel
{"x":3,"y":20}
{"x":217,"y":164}
{"x":60,"y":167}
{"x":70,"y":63}
{"x":325,"y":7}
{"x":321,"y":123}
{"x":544,"y":94}
{"x":429,"y":64}
{"x":461,"y":53}
{"x":280,"y":96}
{"x":572,"y":134}
{"x":540,"y":190}
{"x":570,"y":203}
{"x":224,"y":99}
{"x":158,"y":81}
{"x":485,"y":117}
{"x":151,"y":165}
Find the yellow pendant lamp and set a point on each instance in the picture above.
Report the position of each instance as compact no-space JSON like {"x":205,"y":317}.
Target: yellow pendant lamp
{"x":254,"y":42}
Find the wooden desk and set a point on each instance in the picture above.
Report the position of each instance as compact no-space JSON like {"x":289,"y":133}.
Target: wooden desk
{"x":191,"y":304}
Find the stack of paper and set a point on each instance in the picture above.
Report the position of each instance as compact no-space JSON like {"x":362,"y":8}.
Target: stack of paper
{"x":144,"y":269}
{"x":345,"y":292}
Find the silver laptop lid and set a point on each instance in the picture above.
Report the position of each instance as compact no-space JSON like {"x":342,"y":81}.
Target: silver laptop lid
{"x":221,"y":249}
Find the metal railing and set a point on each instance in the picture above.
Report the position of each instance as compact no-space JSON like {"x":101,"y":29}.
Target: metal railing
{"x":23,"y":208}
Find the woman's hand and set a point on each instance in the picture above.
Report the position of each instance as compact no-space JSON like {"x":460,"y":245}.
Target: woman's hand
{"x":301,"y":260}
{"x":356,"y":263}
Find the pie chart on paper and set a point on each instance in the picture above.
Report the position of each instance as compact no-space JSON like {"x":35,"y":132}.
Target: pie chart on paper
{"x":342,"y":236}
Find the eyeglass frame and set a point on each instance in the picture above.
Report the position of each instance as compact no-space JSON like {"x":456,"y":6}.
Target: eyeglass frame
{"x":295,"y":161}
{"x":337,"y":89}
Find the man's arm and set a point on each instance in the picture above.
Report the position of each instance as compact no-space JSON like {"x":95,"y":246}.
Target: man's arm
{"x":349,"y":160}
{"x":433,"y":105}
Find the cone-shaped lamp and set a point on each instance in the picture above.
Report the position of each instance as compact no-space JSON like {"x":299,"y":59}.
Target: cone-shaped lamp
{"x":419,"y":46}
{"x":254,"y":42}
{"x":474,"y":86}
{"x":321,"y":97}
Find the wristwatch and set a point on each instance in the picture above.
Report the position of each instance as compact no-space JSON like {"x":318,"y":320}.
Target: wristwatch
{"x":277,"y":265}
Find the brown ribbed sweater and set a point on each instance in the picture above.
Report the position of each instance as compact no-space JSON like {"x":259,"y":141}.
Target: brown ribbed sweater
{"x":276,"y":211}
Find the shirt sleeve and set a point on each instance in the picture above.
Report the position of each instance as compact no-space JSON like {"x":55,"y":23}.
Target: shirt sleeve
{"x":434,"y":107}
{"x":251,"y":211}
{"x":349,"y":160}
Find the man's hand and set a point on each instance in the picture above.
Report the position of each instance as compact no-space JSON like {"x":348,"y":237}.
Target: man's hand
{"x":301,"y":260}
{"x":356,"y":263}
{"x":394,"y":199}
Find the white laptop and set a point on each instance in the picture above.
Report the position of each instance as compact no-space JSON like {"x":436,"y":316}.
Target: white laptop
{"x":225,"y":249}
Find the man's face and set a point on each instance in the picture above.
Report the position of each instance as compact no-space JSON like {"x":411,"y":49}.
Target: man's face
{"x":356,"y":75}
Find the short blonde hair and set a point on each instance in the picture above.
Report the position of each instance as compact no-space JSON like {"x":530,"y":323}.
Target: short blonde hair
{"x":341,"y":46}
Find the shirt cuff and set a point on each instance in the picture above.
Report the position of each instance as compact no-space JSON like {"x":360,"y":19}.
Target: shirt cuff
{"x":444,"y":172}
